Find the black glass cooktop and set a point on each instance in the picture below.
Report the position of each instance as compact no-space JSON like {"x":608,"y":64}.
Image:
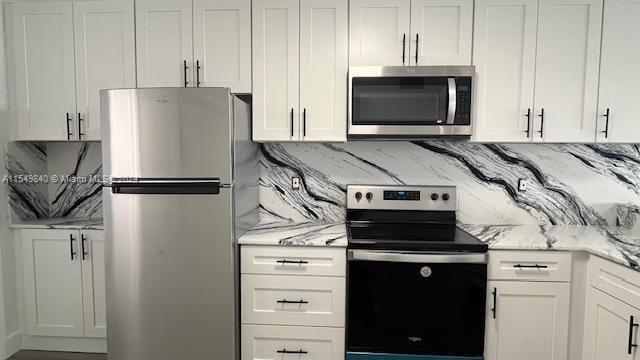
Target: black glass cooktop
{"x":412,"y":236}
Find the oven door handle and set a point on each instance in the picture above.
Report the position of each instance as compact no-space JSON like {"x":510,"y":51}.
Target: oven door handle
{"x":444,"y":258}
{"x":453,"y":101}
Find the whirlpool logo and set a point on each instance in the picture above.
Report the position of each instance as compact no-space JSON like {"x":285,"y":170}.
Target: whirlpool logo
{"x":426,"y":271}
{"x":414,"y":339}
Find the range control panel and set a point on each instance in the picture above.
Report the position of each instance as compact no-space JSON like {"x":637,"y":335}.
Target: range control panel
{"x":380,"y":197}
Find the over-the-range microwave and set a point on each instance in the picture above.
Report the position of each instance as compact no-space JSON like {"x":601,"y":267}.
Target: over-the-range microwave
{"x":410,"y":102}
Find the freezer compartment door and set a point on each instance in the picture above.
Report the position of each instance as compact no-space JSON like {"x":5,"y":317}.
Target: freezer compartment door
{"x":167,"y":133}
{"x":171,"y":276}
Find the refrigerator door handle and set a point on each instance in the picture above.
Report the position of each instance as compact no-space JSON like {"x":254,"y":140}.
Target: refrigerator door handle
{"x":167,"y":187}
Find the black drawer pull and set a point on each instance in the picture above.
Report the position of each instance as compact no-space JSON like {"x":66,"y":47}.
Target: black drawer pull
{"x":292,"y":302}
{"x":297,"y":262}
{"x":495,"y":300}
{"x":285,"y":351}
{"x":71,"y":250}
{"x":536,"y":266}
{"x":630,"y":344}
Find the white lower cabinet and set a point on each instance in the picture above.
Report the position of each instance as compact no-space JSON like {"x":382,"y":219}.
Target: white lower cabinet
{"x":63,"y":273}
{"x":610,"y":328}
{"x":288,"y":314}
{"x":290,"y":342}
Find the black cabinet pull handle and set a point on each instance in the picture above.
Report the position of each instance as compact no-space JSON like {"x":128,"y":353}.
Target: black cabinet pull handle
{"x":304,"y":122}
{"x":606,"y":115}
{"x":630,"y":344}
{"x":292,"y":302}
{"x":69,"y":133}
{"x":185,"y":68}
{"x":80,"y":120}
{"x":404,"y":48}
{"x":536,"y":266}
{"x":72,"y":252}
{"x":291,"y":122}
{"x":528,"y":116}
{"x":495,"y":301}
{"x":417,"y":47}
{"x":83,"y":240}
{"x":285,"y":351}
{"x":198,"y":73}
{"x":298,"y":262}
{"x":541,"y":131}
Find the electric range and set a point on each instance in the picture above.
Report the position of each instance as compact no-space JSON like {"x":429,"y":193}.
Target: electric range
{"x":416,"y":283}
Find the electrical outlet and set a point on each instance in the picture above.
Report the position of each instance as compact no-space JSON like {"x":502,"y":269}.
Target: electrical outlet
{"x":522,"y":185}
{"x":295,"y":183}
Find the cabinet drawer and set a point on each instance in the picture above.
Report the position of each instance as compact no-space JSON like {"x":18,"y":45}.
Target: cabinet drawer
{"x":529,"y":265}
{"x":615,"y":280}
{"x":273,"y":342}
{"x":293,"y":260}
{"x":293,"y":300}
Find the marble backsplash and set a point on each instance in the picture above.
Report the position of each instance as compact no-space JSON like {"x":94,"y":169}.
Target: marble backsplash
{"x":567,"y":184}
{"x":54,"y":191}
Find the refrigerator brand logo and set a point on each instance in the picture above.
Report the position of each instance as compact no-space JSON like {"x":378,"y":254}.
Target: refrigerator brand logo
{"x":162,"y":101}
{"x":414,"y":339}
{"x":425,"y":271}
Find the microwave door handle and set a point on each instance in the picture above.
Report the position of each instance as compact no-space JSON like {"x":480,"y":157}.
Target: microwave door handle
{"x":453,"y":100}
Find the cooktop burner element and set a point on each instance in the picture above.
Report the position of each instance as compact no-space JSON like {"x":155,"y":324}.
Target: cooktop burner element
{"x":413,"y":218}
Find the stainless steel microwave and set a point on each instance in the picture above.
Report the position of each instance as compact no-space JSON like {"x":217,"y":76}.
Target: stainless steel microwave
{"x":410,"y":102}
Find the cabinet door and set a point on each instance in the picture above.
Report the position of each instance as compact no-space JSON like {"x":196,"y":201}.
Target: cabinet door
{"x":105,"y":57}
{"x":504,"y":56}
{"x":607,"y":326}
{"x":276,"y":63}
{"x":441,"y":32}
{"x":44,"y":70}
{"x":619,"y":75}
{"x":323,"y":69}
{"x":52,"y":282}
{"x":379,"y":32}
{"x":567,"y":66}
{"x":93,"y":283}
{"x":531,"y":321}
{"x":222,"y":43}
{"x":164,"y":41}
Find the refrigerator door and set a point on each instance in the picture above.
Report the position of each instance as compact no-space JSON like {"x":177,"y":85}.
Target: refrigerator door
{"x":167,"y":133}
{"x":171,"y":275}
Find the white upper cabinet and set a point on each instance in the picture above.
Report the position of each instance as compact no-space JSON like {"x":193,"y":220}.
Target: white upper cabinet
{"x":442,"y":32}
{"x":43,"y":70}
{"x":567,"y":67}
{"x":531,"y":320}
{"x":52,"y":278}
{"x":504,"y":56}
{"x":379,"y":32}
{"x":276,"y":55}
{"x":164,"y":30}
{"x":323,"y":69}
{"x":222,"y":44}
{"x":619,"y":73}
{"x":105,"y":57}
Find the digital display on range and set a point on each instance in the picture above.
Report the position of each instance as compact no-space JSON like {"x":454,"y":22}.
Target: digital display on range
{"x":402,"y":195}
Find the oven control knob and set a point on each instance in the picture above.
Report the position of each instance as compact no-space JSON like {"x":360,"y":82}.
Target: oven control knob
{"x":434,"y":196}
{"x":445,"y":197}
{"x":369,"y":196}
{"x":358,"y":195}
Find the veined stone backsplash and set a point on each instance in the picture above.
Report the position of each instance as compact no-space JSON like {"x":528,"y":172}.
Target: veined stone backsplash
{"x":567,"y":184}
{"x":35,"y":200}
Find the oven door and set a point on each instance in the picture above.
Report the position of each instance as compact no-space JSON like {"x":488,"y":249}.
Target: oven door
{"x":415,"y":305}
{"x":409,"y":101}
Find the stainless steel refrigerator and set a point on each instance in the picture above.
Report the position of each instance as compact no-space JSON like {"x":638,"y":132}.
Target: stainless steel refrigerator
{"x":181,"y":185}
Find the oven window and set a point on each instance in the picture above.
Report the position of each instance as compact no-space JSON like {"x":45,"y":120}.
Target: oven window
{"x":400,"y":101}
{"x":419,"y":309}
